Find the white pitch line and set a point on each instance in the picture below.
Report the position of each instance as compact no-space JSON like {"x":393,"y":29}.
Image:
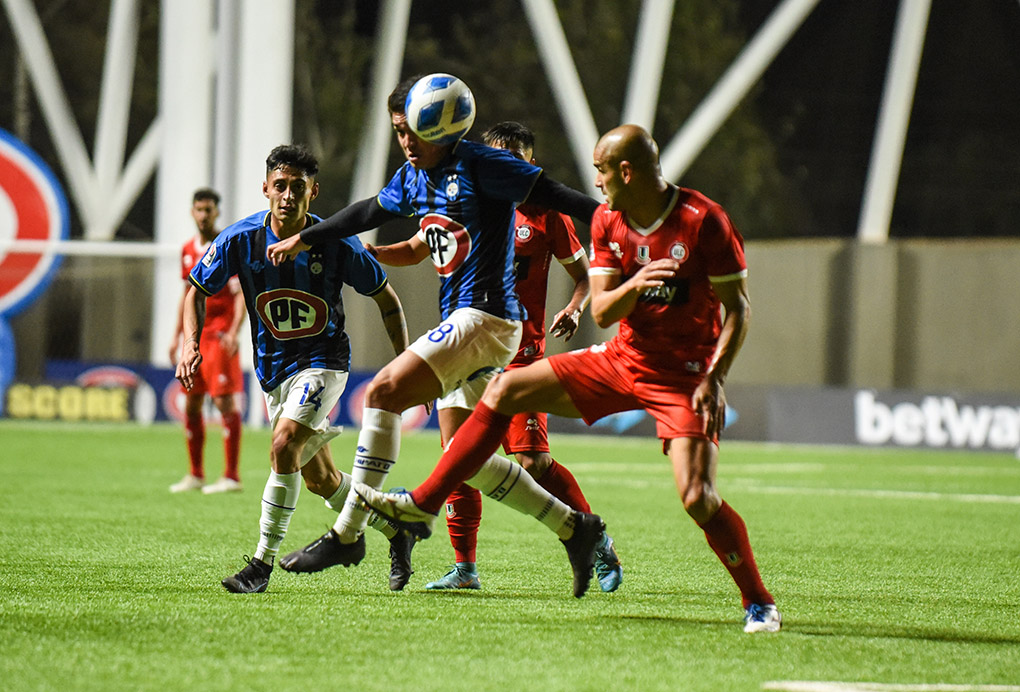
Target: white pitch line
{"x":812,"y":686}
{"x":879,"y":494}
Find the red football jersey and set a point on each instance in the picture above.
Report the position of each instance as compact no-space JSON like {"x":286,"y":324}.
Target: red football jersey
{"x":219,"y":307}
{"x":540,"y":235}
{"x":680,"y":320}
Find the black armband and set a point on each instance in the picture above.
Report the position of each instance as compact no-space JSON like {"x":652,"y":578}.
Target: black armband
{"x":351,"y":220}
{"x":552,"y":194}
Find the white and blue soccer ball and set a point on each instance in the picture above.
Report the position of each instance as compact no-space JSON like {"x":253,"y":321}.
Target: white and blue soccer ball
{"x":440,"y":108}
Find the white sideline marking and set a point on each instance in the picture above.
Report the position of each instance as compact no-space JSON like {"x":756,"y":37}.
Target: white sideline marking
{"x":879,"y":494}
{"x":811,"y":686}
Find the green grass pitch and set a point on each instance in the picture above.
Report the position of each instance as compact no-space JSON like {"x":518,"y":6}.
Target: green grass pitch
{"x":896,"y":568}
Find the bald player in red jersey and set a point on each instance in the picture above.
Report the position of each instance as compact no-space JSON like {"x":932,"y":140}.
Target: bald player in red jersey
{"x":220,"y":375}
{"x":539,"y":236}
{"x":668,"y":265}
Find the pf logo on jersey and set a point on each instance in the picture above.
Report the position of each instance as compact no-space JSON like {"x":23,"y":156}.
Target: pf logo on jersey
{"x":449,"y":242}
{"x":291,"y":314}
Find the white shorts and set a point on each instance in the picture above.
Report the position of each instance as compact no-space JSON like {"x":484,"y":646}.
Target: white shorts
{"x":467,"y":350}
{"x":308,"y":398}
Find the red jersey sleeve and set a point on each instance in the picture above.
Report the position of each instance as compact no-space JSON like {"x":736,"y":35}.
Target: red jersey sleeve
{"x":723,"y":246}
{"x":563,"y":237}
{"x":606,"y":254}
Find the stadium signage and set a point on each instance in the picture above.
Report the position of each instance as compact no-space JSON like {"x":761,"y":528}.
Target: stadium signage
{"x":935,"y":421}
{"x":894,"y":418}
{"x":32,"y":207}
{"x":69,"y":403}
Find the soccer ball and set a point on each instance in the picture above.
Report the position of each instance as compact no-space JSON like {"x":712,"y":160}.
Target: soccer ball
{"x":440,"y":108}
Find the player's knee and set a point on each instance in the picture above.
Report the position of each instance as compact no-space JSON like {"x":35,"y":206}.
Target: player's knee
{"x":499,"y":394}
{"x":285,"y":450}
{"x":535,"y":464}
{"x":383,"y":392}
{"x":701,"y":501}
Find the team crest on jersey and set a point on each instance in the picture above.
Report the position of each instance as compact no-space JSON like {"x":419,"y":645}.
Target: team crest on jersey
{"x":524,"y":232}
{"x":452,"y":187}
{"x":678,"y":251}
{"x":210,"y":255}
{"x":449,"y":242}
{"x":643,"y":254}
{"x":291,"y":314}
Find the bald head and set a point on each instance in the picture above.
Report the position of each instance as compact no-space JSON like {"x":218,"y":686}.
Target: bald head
{"x":627,"y":171}
{"x":630,"y":143}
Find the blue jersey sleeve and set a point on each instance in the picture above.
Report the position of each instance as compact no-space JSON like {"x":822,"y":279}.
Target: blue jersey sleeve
{"x":498,"y":174}
{"x":394,"y":197}
{"x":362,"y":271}
{"x":212,"y":272}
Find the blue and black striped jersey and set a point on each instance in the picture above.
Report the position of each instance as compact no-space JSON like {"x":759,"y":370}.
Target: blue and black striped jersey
{"x":295,"y":310}
{"x":465,"y":207}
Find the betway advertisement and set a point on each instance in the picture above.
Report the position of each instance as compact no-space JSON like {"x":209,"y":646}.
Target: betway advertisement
{"x":895,"y":418}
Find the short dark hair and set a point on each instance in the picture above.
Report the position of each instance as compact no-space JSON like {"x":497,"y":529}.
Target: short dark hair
{"x":294,"y":156}
{"x":510,"y":134}
{"x":204,"y":193}
{"x":398,"y":97}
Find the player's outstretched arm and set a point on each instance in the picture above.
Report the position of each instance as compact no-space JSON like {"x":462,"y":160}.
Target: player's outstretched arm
{"x":191,"y":354}
{"x":402,"y":254}
{"x":549,"y":193}
{"x":286,"y":249}
{"x":351,"y":220}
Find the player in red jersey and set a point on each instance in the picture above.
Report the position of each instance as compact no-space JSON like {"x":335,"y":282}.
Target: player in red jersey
{"x":220,"y":375}
{"x":540,"y":235}
{"x":664,"y":261}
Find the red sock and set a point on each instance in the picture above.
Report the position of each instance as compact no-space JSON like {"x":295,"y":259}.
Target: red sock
{"x":231,"y":445}
{"x":194,"y":429}
{"x":476,"y":440}
{"x":727,"y":536}
{"x":463,"y":515}
{"x":562,"y":485}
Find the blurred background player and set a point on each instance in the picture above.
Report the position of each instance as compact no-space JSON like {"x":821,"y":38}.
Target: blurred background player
{"x":463,"y":195}
{"x":668,"y":265}
{"x":539,"y":235}
{"x":301,"y":351}
{"x":220,"y":375}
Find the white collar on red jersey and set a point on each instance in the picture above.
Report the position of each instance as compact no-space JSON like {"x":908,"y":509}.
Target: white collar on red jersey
{"x":662,"y":217}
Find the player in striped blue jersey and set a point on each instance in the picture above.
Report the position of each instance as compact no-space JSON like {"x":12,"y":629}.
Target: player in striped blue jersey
{"x":464,"y":196}
{"x":301,"y":351}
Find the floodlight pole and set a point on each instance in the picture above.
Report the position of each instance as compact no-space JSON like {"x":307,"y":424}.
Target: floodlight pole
{"x":893,"y":119}
{"x":370,"y":172}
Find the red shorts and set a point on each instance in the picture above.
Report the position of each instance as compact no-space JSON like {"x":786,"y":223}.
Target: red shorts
{"x":219,"y":374}
{"x":609,"y":378}
{"x":529,"y":430}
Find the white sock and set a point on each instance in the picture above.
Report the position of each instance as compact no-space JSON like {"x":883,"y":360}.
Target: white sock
{"x":503,"y":480}
{"x":336,"y":503}
{"x":278,"y":502}
{"x":378,"y":449}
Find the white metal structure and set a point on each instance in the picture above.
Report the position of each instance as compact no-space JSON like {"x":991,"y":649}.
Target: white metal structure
{"x":217,"y":122}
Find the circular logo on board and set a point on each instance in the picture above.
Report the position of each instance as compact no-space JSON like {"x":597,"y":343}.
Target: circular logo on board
{"x":32,"y":207}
